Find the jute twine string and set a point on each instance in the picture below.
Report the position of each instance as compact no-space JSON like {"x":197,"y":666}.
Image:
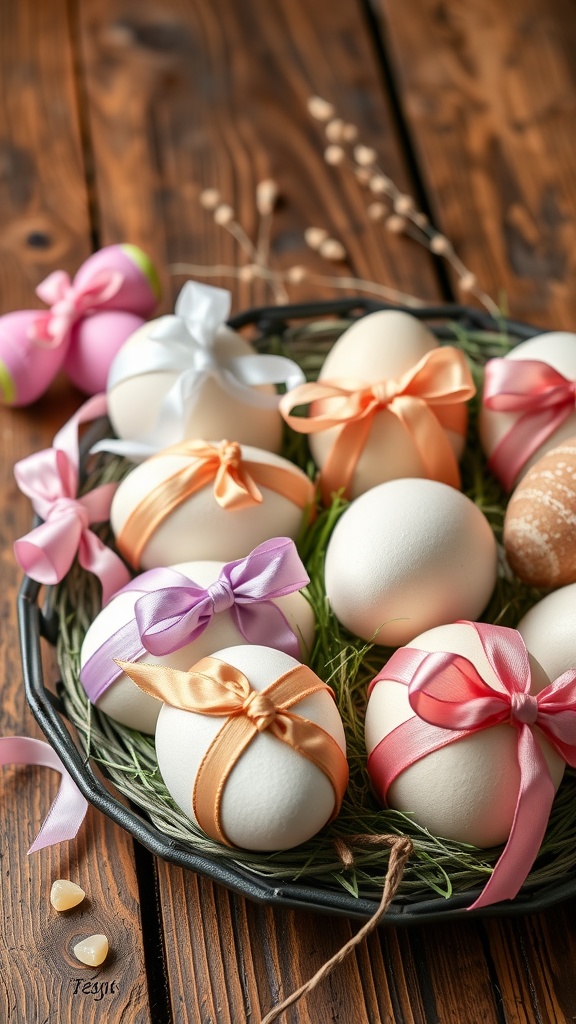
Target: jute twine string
{"x":400,"y":850}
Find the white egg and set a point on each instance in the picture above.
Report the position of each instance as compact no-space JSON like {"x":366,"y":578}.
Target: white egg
{"x":558,"y":350}
{"x":200,"y":528}
{"x":124,"y":701}
{"x":274,"y":797}
{"x":134,"y":403}
{"x":384,"y":345}
{"x":549,"y":631}
{"x":467,"y":790}
{"x":406,"y":556}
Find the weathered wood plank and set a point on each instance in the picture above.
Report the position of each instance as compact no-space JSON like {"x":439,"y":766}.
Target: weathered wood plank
{"x":488,"y":91}
{"x":45,"y":225}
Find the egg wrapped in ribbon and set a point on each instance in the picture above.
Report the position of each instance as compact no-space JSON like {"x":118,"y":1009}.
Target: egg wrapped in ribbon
{"x":250,"y":745}
{"x":465,"y":731}
{"x":178,"y":615}
{"x":89,"y":319}
{"x":406,"y":556}
{"x":528,"y":404}
{"x":389,"y":402}
{"x":549,"y":631}
{"x":189,"y":375}
{"x":200,"y":500}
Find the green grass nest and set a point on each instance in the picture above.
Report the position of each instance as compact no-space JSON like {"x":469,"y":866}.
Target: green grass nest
{"x":437,"y":867}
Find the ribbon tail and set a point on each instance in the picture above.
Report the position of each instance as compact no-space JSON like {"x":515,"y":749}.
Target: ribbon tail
{"x":69,"y":807}
{"x":266,"y":624}
{"x":343,"y":457}
{"x":430,"y":439}
{"x":96,"y":557}
{"x":523,"y":439}
{"x":535,"y":799}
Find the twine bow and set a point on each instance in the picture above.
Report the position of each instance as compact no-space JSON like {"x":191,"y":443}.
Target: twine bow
{"x":50,"y":478}
{"x":543,"y":397}
{"x":440,"y":378}
{"x":212,"y":687}
{"x":235,"y":481}
{"x":172,"y":611}
{"x":69,"y":302}
{"x":451,"y":701}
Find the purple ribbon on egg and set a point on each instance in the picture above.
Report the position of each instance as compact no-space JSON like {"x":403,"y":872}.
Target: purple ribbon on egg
{"x":172,"y":610}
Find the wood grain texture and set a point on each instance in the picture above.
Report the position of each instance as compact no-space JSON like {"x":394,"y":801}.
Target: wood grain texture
{"x":187,"y":95}
{"x":489,"y":94}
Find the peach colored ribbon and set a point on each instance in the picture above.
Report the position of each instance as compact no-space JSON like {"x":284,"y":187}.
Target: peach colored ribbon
{"x":440,"y":378}
{"x":236,"y":481}
{"x":212,"y":687}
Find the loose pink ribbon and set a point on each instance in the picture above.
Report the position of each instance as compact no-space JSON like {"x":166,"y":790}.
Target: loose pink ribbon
{"x":69,"y":302}
{"x":69,"y":807}
{"x":451,"y":701}
{"x":50,"y":479}
{"x":172,"y":610}
{"x":543,"y":396}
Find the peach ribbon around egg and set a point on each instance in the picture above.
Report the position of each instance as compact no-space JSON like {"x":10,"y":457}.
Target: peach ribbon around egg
{"x":213,"y":687}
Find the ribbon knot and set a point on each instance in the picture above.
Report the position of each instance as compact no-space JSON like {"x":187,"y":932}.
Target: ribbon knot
{"x":69,"y":507}
{"x":383,"y":392}
{"x":69,"y":302}
{"x":260,"y":709}
{"x":230,"y":454}
{"x":221,"y":595}
{"x":524,"y":708}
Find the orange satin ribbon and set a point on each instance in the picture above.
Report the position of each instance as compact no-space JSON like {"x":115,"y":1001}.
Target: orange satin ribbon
{"x":212,"y":687}
{"x":236,"y":483}
{"x":441,"y":378}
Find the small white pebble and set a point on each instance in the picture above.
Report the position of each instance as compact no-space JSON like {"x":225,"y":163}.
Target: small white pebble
{"x":365,"y":156}
{"x":403,"y":205}
{"x":320,"y":109}
{"x":267,"y":193}
{"x":335,"y":130}
{"x":334,"y":155}
{"x":315,"y":236}
{"x":295,"y":275}
{"x":440,"y":245}
{"x":332,"y":249}
{"x":223,"y":214}
{"x":92,"y":951}
{"x":65,"y":894}
{"x":210,"y":198}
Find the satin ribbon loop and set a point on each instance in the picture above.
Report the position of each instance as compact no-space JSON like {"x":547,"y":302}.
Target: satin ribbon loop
{"x":69,"y":302}
{"x":543,"y":399}
{"x":451,"y":701}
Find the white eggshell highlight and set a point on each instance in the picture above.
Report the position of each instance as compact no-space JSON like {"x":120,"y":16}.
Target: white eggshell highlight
{"x":466,"y":791}
{"x":406,"y":556}
{"x":274,"y":798}
{"x":549,"y":631}
{"x":124,"y":701}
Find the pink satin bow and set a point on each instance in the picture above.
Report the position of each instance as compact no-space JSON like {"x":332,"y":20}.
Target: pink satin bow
{"x":541,"y":394}
{"x":69,"y":807}
{"x":69,"y":302}
{"x":50,"y":479}
{"x":451,"y":701}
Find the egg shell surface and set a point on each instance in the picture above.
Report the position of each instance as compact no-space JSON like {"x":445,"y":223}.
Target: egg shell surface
{"x":124,"y":701}
{"x":558,"y":350}
{"x":540,"y":521}
{"x":134,"y":403}
{"x":95,"y":340}
{"x":274,"y":798}
{"x":406,"y":556}
{"x":26,"y":368}
{"x":384,"y":345}
{"x":467,"y":790}
{"x":549,"y":631}
{"x":199,"y":528}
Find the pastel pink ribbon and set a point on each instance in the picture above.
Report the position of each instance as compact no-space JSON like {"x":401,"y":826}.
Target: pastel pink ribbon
{"x":451,"y":701}
{"x":50,"y":478}
{"x":543,"y":396}
{"x":69,"y":302}
{"x":69,"y":807}
{"x":173,"y":611}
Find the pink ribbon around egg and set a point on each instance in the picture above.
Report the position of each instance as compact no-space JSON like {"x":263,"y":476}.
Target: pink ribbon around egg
{"x":50,"y":478}
{"x":173,"y":610}
{"x":450,"y":701}
{"x":544,"y":397}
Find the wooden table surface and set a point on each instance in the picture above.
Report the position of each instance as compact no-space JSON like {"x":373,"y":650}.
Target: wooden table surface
{"x":114,"y":115}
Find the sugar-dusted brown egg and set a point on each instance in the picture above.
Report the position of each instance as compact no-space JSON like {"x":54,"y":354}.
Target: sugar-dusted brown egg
{"x":540,"y":524}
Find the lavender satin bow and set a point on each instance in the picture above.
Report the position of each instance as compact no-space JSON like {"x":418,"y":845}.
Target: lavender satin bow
{"x":172,"y":610}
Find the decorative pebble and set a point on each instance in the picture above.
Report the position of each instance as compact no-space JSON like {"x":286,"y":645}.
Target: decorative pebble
{"x":92,"y":951}
{"x":65,"y":894}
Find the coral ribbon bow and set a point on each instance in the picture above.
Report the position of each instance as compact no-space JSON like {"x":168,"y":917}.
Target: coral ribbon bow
{"x":212,"y":687}
{"x":451,"y":701}
{"x":440,"y":378}
{"x":50,"y":478}
{"x":69,"y":302}
{"x":544,"y":398}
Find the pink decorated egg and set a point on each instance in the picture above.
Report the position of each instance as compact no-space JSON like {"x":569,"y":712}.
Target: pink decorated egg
{"x":27,"y":366}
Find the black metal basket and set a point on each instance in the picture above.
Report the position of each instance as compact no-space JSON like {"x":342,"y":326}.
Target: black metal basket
{"x":50,"y":714}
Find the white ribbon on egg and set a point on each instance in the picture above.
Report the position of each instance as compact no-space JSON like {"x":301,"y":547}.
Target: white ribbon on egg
{"x":184,"y":343}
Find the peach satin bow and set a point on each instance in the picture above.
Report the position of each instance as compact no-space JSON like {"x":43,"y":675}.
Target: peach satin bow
{"x":212,"y":687}
{"x":440,"y":378}
{"x":236,"y":486}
